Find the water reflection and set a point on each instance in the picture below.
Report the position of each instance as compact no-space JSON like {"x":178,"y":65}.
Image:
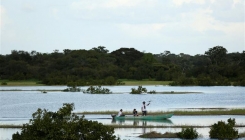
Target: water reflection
{"x":142,"y":122}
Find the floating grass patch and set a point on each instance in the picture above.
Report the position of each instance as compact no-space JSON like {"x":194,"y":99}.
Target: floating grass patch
{"x":22,"y":83}
{"x":212,"y":112}
{"x":177,"y":112}
{"x":242,"y":135}
{"x":154,"y":134}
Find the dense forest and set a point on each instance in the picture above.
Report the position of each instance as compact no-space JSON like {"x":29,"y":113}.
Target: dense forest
{"x":99,"y":67}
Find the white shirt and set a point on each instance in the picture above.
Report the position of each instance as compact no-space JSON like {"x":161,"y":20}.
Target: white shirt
{"x":119,"y":113}
{"x":143,"y":108}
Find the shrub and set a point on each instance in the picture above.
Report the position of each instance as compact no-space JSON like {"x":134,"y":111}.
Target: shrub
{"x":188,"y":133}
{"x":63,"y":125}
{"x":72,"y":88}
{"x":4,"y":83}
{"x":139,"y":90}
{"x":221,"y":130}
{"x":97,"y":90}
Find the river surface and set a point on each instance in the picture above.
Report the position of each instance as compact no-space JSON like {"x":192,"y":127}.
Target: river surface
{"x":17,"y":105}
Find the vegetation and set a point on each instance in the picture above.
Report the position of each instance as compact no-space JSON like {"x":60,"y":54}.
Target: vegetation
{"x":72,"y":87}
{"x":99,"y":67}
{"x":221,"y":130}
{"x":97,"y":90}
{"x":180,"y":112}
{"x":154,"y":134}
{"x":62,"y":125}
{"x":139,"y":90}
{"x":188,"y":133}
{"x":242,"y":135}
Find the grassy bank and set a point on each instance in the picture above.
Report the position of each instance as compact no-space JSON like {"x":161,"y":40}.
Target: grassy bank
{"x":144,"y":82}
{"x":127,"y":82}
{"x":178,"y":112}
{"x":21,"y":83}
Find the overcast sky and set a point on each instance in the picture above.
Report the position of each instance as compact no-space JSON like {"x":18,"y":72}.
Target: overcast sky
{"x":179,"y":26}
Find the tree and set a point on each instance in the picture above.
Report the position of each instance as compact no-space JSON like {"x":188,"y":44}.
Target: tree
{"x":63,"y":125}
{"x":216,"y":54}
{"x":221,"y":130}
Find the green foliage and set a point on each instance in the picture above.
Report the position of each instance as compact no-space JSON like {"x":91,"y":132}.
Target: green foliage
{"x":110,"y":80}
{"x":221,"y":130}
{"x":97,"y":90}
{"x":205,"y":81}
{"x":188,"y":133}
{"x":183,"y":82}
{"x":139,"y":90}
{"x":62,"y":125}
{"x":120,"y":82}
{"x":99,"y":67}
{"x":4,"y":83}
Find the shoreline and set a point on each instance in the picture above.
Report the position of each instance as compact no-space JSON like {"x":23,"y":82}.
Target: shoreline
{"x":196,"y":112}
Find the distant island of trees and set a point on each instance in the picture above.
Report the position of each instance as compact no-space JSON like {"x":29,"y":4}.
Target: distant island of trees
{"x":99,"y":67}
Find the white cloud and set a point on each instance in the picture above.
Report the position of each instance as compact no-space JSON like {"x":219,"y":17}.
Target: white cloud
{"x":55,"y":13}
{"x":142,"y":30}
{"x":110,"y":4}
{"x":181,"y":2}
{"x":2,"y":15}
{"x":28,"y":7}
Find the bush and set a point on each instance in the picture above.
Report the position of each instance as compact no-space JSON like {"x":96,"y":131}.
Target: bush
{"x":4,"y":83}
{"x":188,"y":133}
{"x":221,"y":130}
{"x":97,"y":90}
{"x":63,"y":125}
{"x":139,"y":90}
{"x":183,"y":82}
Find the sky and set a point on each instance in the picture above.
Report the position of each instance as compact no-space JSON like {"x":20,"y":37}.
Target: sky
{"x":154,"y":26}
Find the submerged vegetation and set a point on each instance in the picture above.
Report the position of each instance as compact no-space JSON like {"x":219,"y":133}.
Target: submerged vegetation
{"x":201,"y":111}
{"x":139,"y":90}
{"x":97,"y":90}
{"x":154,"y":134}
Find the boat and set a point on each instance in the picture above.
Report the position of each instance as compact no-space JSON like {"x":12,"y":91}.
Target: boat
{"x":148,"y":117}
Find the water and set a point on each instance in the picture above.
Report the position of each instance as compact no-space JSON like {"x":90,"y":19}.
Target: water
{"x":16,"y":107}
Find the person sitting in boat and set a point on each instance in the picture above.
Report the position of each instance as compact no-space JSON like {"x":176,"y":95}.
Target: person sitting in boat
{"x":135,"y":113}
{"x":120,"y":113}
{"x":143,"y":109}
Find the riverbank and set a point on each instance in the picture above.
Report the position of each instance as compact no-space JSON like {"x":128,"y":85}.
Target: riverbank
{"x":126,"y":82}
{"x":196,"y":111}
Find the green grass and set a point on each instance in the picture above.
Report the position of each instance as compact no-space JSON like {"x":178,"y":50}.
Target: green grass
{"x":177,"y":112}
{"x":127,"y":82}
{"x":21,"y":82}
{"x":154,"y":134}
{"x":144,"y":82}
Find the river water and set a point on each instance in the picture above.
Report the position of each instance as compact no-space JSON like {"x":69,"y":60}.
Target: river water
{"x":16,"y":106}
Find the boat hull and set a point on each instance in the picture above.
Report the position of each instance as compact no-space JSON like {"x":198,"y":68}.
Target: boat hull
{"x":149,"y":117}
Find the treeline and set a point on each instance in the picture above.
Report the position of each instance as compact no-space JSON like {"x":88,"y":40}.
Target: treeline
{"x":99,"y":67}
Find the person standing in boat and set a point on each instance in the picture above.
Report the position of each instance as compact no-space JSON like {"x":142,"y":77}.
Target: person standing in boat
{"x":143,"y":109}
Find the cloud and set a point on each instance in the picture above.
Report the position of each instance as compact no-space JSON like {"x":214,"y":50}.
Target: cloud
{"x":55,"y":13}
{"x":28,"y":7}
{"x":110,"y":4}
{"x":181,"y":2}
{"x":142,"y":30}
{"x":2,"y":15}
